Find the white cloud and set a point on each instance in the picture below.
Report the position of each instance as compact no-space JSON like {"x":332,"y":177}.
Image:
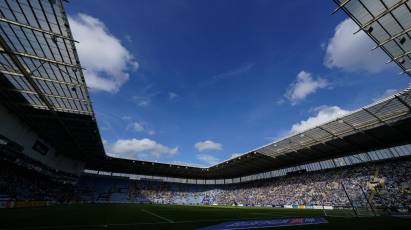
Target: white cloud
{"x":210,"y":160}
{"x":234,"y":72}
{"x":133,"y":148}
{"x":151,"y":132}
{"x":126,"y":118}
{"x":387,"y":93}
{"x":353,"y":52}
{"x":235,"y":155}
{"x":136,"y":126}
{"x":105,"y":144}
{"x":280,"y":101}
{"x":229,"y":74}
{"x":172,"y":96}
{"x":142,"y":101}
{"x":208,"y":146}
{"x":140,"y":127}
{"x":145,"y":95}
{"x":128,"y":38}
{"x":303,"y":86}
{"x":325,"y":113}
{"x":107,"y":61}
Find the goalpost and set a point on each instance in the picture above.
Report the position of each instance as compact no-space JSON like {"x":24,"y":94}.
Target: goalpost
{"x":360,"y":203}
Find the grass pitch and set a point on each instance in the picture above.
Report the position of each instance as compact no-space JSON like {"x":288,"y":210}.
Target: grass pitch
{"x":136,"y":216}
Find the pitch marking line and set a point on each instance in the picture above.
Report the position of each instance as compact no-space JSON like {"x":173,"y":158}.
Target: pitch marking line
{"x":133,"y":224}
{"x":63,"y":226}
{"x":158,"y":216}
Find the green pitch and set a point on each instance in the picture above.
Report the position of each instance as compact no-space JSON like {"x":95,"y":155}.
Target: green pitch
{"x":134,"y":216}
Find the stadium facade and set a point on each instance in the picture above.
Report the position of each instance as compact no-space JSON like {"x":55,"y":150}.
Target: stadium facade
{"x":48,"y":122}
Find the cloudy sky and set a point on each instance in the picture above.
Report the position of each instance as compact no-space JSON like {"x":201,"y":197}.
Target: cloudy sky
{"x":197,"y":82}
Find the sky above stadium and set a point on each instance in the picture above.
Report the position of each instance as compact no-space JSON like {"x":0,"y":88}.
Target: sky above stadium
{"x":198,"y":82}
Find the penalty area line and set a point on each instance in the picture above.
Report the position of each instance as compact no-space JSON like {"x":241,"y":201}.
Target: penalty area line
{"x":158,"y":216}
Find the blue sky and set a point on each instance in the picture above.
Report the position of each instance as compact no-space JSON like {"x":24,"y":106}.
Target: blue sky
{"x":194,"y":82}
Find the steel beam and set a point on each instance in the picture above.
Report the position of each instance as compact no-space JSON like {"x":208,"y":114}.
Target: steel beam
{"x":340,"y":6}
{"x":382,"y":121}
{"x":392,"y":38}
{"x":5,"y":20}
{"x":40,"y":58}
{"x":361,"y":131}
{"x":45,"y":94}
{"x":338,"y":137}
{"x":403,"y":102}
{"x":398,"y":57}
{"x":43,"y":79}
{"x":381,"y":15}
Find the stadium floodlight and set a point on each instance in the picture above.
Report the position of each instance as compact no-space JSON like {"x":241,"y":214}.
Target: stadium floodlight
{"x":402,"y":40}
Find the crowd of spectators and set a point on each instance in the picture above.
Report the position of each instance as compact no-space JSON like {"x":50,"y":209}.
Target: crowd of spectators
{"x":385,"y":184}
{"x":394,"y":190}
{"x":22,"y":184}
{"x":166,"y":193}
{"x":336,"y":187}
{"x":313,"y":188}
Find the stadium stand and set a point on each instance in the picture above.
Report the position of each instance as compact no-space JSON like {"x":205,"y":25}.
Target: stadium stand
{"x":315,"y":188}
{"x":19,"y":183}
{"x":51,"y":150}
{"x":384,"y":185}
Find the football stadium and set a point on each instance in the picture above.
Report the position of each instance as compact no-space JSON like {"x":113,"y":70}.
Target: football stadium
{"x":58,"y":172}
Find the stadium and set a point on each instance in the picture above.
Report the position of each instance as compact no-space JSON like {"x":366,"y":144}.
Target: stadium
{"x":353,"y":171}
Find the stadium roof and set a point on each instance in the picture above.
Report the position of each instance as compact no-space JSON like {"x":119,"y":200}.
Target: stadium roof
{"x":41,"y":78}
{"x":387,"y":22}
{"x":383,"y":124}
{"x":42,"y":82}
